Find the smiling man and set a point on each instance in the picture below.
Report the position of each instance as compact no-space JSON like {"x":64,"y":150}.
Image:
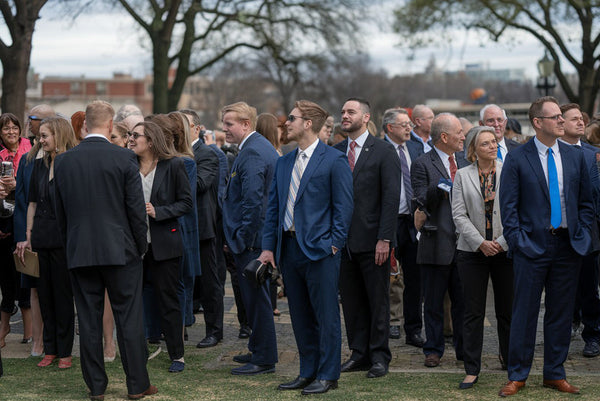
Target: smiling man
{"x":493,"y":116}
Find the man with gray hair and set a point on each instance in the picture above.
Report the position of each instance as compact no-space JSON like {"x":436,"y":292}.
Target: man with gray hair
{"x":494,"y":116}
{"x":397,"y":126}
{"x":130,"y":115}
{"x":432,"y":176}
{"x":422,"y":116}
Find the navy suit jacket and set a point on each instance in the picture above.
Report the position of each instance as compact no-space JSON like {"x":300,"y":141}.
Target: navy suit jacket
{"x":222,"y":174}
{"x":189,"y":226}
{"x":323,"y":207}
{"x":22,"y":198}
{"x":247,"y":194}
{"x":206,"y":189}
{"x":525,"y":200}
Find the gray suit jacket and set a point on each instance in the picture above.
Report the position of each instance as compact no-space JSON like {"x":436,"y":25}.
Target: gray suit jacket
{"x":468,"y":209}
{"x":437,"y":244}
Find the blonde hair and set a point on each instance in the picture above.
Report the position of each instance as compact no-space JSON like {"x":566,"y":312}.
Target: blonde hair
{"x":243,"y":111}
{"x":64,"y":136}
{"x":181,"y":137}
{"x":97,"y":114}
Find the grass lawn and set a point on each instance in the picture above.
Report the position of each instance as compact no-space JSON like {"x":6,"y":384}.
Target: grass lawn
{"x":201,"y":380}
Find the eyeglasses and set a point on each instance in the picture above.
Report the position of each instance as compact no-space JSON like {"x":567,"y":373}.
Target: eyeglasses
{"x":291,"y":118}
{"x":491,"y":121}
{"x":14,"y":128}
{"x":35,"y":118}
{"x":406,"y":124}
{"x":555,"y":117}
{"x":135,"y":135}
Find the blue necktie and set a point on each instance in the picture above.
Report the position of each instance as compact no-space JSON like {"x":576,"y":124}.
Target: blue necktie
{"x":555,"y":214}
{"x":499,"y":153}
{"x":408,"y":193}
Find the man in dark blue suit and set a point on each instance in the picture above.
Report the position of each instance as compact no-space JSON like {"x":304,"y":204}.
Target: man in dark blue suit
{"x":587,"y":302}
{"x":397,"y":127}
{"x":244,"y":208}
{"x":310,"y":208}
{"x":547,"y":209}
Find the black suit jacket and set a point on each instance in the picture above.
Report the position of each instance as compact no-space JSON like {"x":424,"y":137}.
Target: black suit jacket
{"x":376,"y":183}
{"x":100,"y":204}
{"x":437,"y":244}
{"x":207,"y":190}
{"x":511,"y":144}
{"x":171,"y":197}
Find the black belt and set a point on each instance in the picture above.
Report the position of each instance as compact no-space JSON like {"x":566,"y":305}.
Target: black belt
{"x":404,"y":216}
{"x":289,"y":234}
{"x":558,"y":231}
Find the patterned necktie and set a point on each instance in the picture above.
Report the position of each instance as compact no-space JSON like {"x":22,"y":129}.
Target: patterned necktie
{"x":405,"y":174}
{"x":352,"y":155}
{"x":499,"y":153}
{"x":555,"y":213}
{"x":453,"y":167}
{"x":288,"y":222}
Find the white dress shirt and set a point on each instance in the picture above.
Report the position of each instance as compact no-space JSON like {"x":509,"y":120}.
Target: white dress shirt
{"x":403,"y":208}
{"x":360,"y":142}
{"x":445,"y":156}
{"x":503,"y":148}
{"x":543,"y":154}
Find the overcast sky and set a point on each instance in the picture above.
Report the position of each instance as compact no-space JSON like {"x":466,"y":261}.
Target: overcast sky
{"x":98,"y":45}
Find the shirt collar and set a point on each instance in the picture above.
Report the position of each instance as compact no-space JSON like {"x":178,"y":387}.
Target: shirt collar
{"x":96,"y":136}
{"x":360,"y":141}
{"x":245,"y":139}
{"x":310,"y":150}
{"x":393,"y":142}
{"x":543,"y":149}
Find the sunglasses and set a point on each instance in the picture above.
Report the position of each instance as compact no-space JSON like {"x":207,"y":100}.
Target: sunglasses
{"x":35,"y":118}
{"x":291,"y":118}
{"x":135,"y":135}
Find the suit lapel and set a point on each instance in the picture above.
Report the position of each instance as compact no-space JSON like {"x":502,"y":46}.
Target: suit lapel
{"x":567,"y":167}
{"x":159,"y":175}
{"x":311,"y":167}
{"x":534,"y":161}
{"x":286,"y":178}
{"x":365,"y":152}
{"x":473,"y":174}
{"x":437,"y":162}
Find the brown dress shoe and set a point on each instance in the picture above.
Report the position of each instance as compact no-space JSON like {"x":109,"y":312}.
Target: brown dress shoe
{"x":149,"y":391}
{"x":511,"y":388}
{"x":432,"y":360}
{"x":561,"y":385}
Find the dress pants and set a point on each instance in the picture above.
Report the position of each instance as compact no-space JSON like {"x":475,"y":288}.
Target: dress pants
{"x":365,"y":292}
{"x":262,"y":342}
{"x":475,"y":270}
{"x":312,"y":288}
{"x":556,"y":271}
{"x":437,"y":279}
{"x":56,"y":302}
{"x":235,"y":285}
{"x":406,"y":255}
{"x":124,"y":286}
{"x":213,"y":290}
{"x":396,"y":303}
{"x":587,"y":302}
{"x":9,"y":279}
{"x":164,"y":278}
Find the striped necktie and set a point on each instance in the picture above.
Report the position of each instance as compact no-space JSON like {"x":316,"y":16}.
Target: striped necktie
{"x":288,"y":222}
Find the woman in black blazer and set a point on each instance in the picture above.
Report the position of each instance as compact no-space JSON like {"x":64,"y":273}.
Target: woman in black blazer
{"x":43,"y":235}
{"x":167,"y":194}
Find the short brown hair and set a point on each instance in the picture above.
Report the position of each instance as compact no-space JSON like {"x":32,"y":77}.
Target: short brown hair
{"x":97,"y":114}
{"x":535,"y":109}
{"x":5,"y":118}
{"x":312,"y":112}
{"x":266,"y":125}
{"x":244,"y":112}
{"x":569,"y":106}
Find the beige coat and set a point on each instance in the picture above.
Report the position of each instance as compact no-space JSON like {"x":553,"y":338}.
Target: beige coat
{"x":468,"y":210}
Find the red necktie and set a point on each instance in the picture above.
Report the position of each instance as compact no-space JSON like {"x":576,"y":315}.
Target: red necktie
{"x":352,"y":155}
{"x":453,"y":167}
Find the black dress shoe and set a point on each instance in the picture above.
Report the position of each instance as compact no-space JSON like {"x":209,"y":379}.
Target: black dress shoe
{"x":353,"y":366}
{"x":319,"y":387}
{"x":298,"y":383}
{"x":245,"y":332}
{"x":464,"y":386}
{"x":244,"y":358}
{"x":208,"y":341}
{"x":377,"y":370}
{"x":395,"y":332}
{"x":250,"y":369}
{"x":591,"y":349}
{"x":415,"y":340}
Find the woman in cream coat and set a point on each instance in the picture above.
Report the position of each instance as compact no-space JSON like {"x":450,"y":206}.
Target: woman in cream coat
{"x":481,"y":248}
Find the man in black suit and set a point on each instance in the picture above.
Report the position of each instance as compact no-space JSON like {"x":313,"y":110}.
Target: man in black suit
{"x":100,"y":209}
{"x":365,"y":265}
{"x":493,"y":116}
{"x":397,"y":126}
{"x":432,"y":176}
{"x":210,"y":284}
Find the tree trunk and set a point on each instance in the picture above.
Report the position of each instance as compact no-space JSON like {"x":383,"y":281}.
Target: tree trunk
{"x":14,"y":79}
{"x":161,"y":77}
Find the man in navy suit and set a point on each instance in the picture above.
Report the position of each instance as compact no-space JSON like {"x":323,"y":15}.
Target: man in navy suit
{"x":244,"y":208}
{"x":493,"y":116}
{"x":587,"y":303}
{"x":309,"y":212}
{"x":365,"y":265}
{"x":547,"y":209}
{"x":397,"y":126}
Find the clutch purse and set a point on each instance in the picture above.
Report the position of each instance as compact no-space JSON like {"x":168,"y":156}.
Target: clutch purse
{"x":258,"y":272}
{"x":31,"y":266}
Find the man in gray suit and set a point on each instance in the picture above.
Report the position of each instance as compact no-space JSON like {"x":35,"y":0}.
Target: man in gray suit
{"x":431,"y":177}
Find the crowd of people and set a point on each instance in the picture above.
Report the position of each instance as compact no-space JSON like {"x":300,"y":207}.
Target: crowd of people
{"x":136,"y":220}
